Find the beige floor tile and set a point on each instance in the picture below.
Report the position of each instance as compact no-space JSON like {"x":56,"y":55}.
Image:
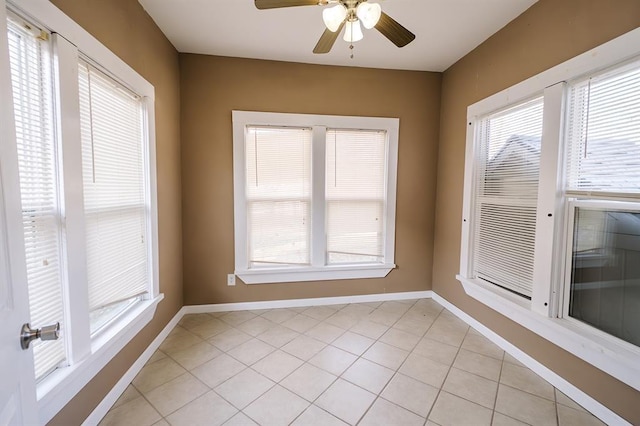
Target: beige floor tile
{"x":368,"y":375}
{"x":570,"y":417}
{"x":452,"y":410}
{"x":208,"y":410}
{"x":308,"y":381}
{"x":525,"y":407}
{"x":244,"y":388}
{"x":196,"y":355}
{"x":357,"y":310}
{"x":445,"y":332}
{"x":427,"y":371}
{"x":251,"y":351}
{"x":428,"y":307}
{"x":279,"y":315}
{"x":256,"y":326}
{"x":240,"y":419}
{"x":216,"y":371}
{"x":353,"y":343}
{"x":436,"y":351}
{"x":129,"y":394}
{"x":482,"y":365}
{"x":157,"y":356}
{"x":157,"y":373}
{"x":210,"y":328}
{"x":236,"y":318}
{"x":511,"y":360}
{"x":162,"y":422}
{"x":415,"y":326}
{"x":411,"y":394}
{"x":384,"y":317}
{"x":277,"y":365}
{"x":526,"y":380}
{"x":384,"y":413}
{"x":259,"y":311}
{"x":333,"y":360}
{"x":193,"y":320}
{"x":372,"y":330}
{"x":278,"y":406}
{"x":179,"y":341}
{"x":300,"y":323}
{"x":500,"y":419}
{"x":480,"y":344}
{"x":229,"y":339}
{"x":137,"y":412}
{"x":343,"y":320}
{"x":303,"y":347}
{"x":315,"y":416}
{"x":346,"y":401}
{"x":278,"y":336}
{"x":319,"y":313}
{"x":469,"y":386}
{"x":324,"y":332}
{"x":396,"y":306}
{"x":400,"y":339}
{"x":563,"y":399}
{"x":386,"y":355}
{"x":176,"y":393}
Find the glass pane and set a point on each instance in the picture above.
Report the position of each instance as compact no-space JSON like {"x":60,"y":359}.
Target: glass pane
{"x":605,"y":276}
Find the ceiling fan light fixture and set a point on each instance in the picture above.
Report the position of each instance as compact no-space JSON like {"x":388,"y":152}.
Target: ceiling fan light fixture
{"x":369,"y":14}
{"x":352,"y":31}
{"x":334,"y":16}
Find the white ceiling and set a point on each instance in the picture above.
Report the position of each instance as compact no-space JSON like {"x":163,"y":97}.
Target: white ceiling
{"x":445,"y":30}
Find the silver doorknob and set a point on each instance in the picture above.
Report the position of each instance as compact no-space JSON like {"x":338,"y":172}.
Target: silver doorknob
{"x":48,"y":332}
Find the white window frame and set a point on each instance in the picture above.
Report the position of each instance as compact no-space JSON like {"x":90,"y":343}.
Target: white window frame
{"x":544,"y":313}
{"x":318,"y":270}
{"x":88,"y":355}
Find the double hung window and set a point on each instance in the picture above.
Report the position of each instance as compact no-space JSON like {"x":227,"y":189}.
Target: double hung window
{"x":551,"y":216}
{"x":314,"y":196}
{"x":85,"y":153}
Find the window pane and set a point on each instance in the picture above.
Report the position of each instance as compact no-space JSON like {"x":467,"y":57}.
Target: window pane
{"x":605,"y":274}
{"x":30,"y":63}
{"x":355,"y":193}
{"x":604,"y":132}
{"x":114,"y":195}
{"x":278,"y":190}
{"x":506,"y":197}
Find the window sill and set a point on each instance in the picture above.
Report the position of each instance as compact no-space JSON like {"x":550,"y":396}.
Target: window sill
{"x":334,"y":272}
{"x":62,"y":385}
{"x":610,"y":355}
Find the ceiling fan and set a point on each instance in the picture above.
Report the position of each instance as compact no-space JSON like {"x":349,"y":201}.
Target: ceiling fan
{"x":348,"y":14}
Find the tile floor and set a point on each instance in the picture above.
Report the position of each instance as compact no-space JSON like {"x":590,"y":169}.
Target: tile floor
{"x":392,"y":363}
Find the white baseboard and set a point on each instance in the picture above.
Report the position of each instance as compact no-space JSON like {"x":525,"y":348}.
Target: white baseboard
{"x":296,"y":303}
{"x":590,"y":404}
{"x":101,"y":410}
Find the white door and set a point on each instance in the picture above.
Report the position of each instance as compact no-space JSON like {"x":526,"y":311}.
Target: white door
{"x":17,"y":383}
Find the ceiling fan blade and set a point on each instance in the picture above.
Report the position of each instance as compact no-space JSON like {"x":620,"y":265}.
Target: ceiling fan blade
{"x":396,"y":33}
{"x":327,"y":39}
{"x":274,"y":4}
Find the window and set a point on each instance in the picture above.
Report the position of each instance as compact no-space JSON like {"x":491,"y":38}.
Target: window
{"x":314,"y":196}
{"x":86,"y":170}
{"x":551,"y":215}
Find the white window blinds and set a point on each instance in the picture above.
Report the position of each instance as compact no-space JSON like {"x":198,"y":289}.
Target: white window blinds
{"x":604,"y":132}
{"x":278,"y":195}
{"x":31,"y":78}
{"x":115,"y":206}
{"x":355,"y":195}
{"x":506,"y":196}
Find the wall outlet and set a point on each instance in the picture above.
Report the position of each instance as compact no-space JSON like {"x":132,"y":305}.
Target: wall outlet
{"x":231,"y":279}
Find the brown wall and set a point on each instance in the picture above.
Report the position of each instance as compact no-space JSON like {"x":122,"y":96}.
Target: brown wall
{"x":547,"y":34}
{"x":124,"y":27}
{"x":211,"y":87}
